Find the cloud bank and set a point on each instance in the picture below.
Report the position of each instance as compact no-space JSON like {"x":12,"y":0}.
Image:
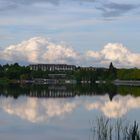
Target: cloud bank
{"x":42,"y":50}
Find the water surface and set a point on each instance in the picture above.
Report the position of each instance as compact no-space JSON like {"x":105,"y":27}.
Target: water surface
{"x":62,"y":112}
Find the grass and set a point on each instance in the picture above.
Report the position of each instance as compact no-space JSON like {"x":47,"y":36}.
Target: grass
{"x":107,"y":129}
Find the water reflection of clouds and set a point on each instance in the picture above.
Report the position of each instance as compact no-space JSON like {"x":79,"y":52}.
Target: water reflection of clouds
{"x":39,"y":110}
{"x":116,"y":108}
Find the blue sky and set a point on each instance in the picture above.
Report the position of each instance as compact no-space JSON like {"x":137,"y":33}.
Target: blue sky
{"x":82,"y":24}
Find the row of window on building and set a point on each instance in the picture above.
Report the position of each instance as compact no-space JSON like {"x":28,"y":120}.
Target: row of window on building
{"x":52,"y":67}
{"x":61,"y":67}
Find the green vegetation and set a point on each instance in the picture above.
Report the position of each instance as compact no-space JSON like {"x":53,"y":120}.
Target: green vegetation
{"x":107,"y":129}
{"x":128,"y":74}
{"x":98,"y":74}
{"x":15,"y":72}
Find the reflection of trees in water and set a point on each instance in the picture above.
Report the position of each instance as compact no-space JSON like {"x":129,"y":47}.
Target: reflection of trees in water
{"x":132,"y":90}
{"x":15,"y":90}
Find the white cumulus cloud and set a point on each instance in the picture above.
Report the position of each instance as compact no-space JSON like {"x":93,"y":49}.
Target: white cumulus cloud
{"x":42,"y":50}
{"x":116,"y":53}
{"x":38,"y":50}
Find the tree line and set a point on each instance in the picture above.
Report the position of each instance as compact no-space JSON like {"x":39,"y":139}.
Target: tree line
{"x":18,"y":72}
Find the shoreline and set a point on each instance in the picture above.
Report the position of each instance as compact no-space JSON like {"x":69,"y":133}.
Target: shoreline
{"x":70,"y":81}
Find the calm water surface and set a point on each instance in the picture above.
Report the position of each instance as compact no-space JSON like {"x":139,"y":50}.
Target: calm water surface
{"x":62,"y":112}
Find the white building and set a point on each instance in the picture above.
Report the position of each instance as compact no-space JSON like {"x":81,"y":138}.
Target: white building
{"x":52,"y":67}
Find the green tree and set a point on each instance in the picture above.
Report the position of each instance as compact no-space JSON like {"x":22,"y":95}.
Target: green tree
{"x":112,"y":72}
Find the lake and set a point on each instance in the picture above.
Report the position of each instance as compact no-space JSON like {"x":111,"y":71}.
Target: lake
{"x":63,"y":112}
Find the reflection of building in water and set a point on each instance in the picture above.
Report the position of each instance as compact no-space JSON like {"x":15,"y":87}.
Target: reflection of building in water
{"x":52,"y":93}
{"x":57,"y":87}
{"x":57,"y":76}
{"x":52,"y":67}
{"x":57,"y":91}
{"x":63,"y":93}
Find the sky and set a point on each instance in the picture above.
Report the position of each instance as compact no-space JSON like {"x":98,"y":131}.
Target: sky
{"x":80,"y":32}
